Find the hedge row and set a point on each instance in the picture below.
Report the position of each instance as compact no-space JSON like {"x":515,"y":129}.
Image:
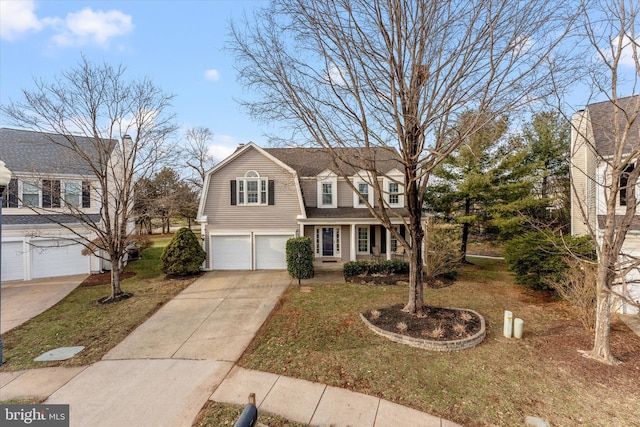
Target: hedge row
{"x":356,"y":268}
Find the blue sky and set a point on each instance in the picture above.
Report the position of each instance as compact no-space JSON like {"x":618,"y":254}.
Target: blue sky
{"x":178,"y":44}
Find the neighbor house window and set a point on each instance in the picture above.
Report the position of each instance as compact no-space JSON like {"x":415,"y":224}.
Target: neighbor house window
{"x":10,"y":198}
{"x":86,"y":194}
{"x":624,"y":182}
{"x":363,"y":240}
{"x":30,"y":194}
{"x":253,"y":189}
{"x":394,"y":193}
{"x":363,"y":189}
{"x":72,"y":194}
{"x":394,"y":241}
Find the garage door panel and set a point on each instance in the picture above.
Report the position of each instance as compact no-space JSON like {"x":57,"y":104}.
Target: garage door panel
{"x":53,"y":258}
{"x":271,"y":252}
{"x":231,"y":252}
{"x":12,"y":261}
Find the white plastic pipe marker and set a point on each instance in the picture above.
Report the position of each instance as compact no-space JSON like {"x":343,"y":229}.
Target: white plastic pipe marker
{"x":508,"y":323}
{"x":518,"y":327}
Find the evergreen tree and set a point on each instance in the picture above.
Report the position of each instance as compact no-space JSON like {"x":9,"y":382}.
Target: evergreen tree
{"x":183,"y":255}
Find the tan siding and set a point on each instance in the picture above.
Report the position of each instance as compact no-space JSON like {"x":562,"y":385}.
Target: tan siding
{"x":583,"y":166}
{"x":345,"y":195}
{"x":345,"y":242}
{"x":310,"y":192}
{"x":222,"y":215}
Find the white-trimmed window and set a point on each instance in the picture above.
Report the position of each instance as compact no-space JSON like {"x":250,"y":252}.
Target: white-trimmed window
{"x":362,"y":187}
{"x":72,"y":194}
{"x":394,"y":189}
{"x":327,"y":190}
{"x":252,"y":189}
{"x":362,"y":234}
{"x":393,"y":241}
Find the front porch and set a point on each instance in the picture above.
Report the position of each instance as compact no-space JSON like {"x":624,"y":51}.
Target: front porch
{"x":335,"y":244}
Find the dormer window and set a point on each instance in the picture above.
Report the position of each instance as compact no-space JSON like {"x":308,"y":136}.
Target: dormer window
{"x":327,"y":190}
{"x":363,"y":189}
{"x":252,"y":190}
{"x":394,"y":189}
{"x":394,"y":196}
{"x":363,"y":192}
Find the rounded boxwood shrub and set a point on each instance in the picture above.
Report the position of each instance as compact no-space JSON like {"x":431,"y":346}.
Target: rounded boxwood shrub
{"x":183,"y":256}
{"x":300,"y":258}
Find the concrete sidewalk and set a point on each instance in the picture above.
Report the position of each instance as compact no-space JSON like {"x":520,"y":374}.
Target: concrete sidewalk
{"x":318,"y":404}
{"x":22,"y":300}
{"x":166,"y":370}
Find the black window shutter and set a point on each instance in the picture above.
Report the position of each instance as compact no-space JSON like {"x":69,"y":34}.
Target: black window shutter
{"x":403,"y":231}
{"x":55,"y":194}
{"x":86,"y":194}
{"x":234,"y":194}
{"x":272,"y":192}
{"x":12,"y":194}
{"x":383,"y":240}
{"x":46,"y":193}
{"x":372,"y":236}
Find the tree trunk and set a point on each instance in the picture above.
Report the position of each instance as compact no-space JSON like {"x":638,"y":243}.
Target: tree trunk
{"x":115,"y":281}
{"x":415,"y":305}
{"x":465,"y":231}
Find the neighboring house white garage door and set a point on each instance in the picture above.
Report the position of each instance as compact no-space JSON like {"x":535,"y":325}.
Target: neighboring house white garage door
{"x":51,"y":258}
{"x":231,"y":252}
{"x":271,"y":252}
{"x":12,"y":261}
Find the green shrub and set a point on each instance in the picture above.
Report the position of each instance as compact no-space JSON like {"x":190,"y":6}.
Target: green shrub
{"x":300,"y":258}
{"x":183,"y":256}
{"x":538,"y":259}
{"x":356,"y":268}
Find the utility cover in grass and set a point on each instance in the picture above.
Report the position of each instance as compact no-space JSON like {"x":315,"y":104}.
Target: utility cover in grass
{"x":62,"y":353}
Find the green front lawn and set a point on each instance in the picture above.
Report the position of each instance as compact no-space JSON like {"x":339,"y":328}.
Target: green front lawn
{"x":319,"y":336}
{"x":78,"y":320}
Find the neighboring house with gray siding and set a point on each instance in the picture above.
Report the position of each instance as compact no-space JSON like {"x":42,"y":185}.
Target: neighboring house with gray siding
{"x":258,"y":198}
{"x":591,"y":146}
{"x":46,"y":178}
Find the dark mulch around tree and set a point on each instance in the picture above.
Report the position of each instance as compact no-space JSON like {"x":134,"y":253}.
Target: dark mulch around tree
{"x":103,"y":279}
{"x":439,"y":324}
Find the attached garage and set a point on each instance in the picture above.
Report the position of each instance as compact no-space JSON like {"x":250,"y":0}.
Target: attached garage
{"x":231,"y":252}
{"x":52,"y":258}
{"x":12,"y":261}
{"x":249,"y":251}
{"x":271,"y":252}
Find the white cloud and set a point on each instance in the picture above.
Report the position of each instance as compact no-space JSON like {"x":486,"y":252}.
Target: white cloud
{"x":17,"y":17}
{"x":627,"y":50}
{"x":212,"y":74}
{"x":90,"y":27}
{"x":221,"y":152}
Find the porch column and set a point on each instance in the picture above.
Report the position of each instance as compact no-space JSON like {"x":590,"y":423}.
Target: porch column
{"x":388,"y":238}
{"x":354,"y":243}
{"x":302,"y":230}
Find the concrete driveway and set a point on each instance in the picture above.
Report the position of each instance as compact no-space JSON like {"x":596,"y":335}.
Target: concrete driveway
{"x":166,"y":369}
{"x":22,"y":300}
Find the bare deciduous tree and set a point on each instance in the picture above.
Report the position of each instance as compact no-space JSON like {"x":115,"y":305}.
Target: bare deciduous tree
{"x":397,"y":74}
{"x":197,"y":156}
{"x":118,"y":128}
{"x":610,"y":29}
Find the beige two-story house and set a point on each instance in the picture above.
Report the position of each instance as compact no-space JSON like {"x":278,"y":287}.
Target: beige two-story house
{"x":592,"y":145}
{"x":258,"y":198}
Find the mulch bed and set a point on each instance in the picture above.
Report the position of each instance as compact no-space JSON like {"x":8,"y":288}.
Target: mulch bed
{"x":398,"y":279}
{"x":437,"y":318}
{"x":103,"y":279}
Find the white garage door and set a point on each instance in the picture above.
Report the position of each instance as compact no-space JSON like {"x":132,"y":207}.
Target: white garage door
{"x":271,"y":252}
{"x":231,"y":252}
{"x":12,"y":261}
{"x":52,"y":258}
